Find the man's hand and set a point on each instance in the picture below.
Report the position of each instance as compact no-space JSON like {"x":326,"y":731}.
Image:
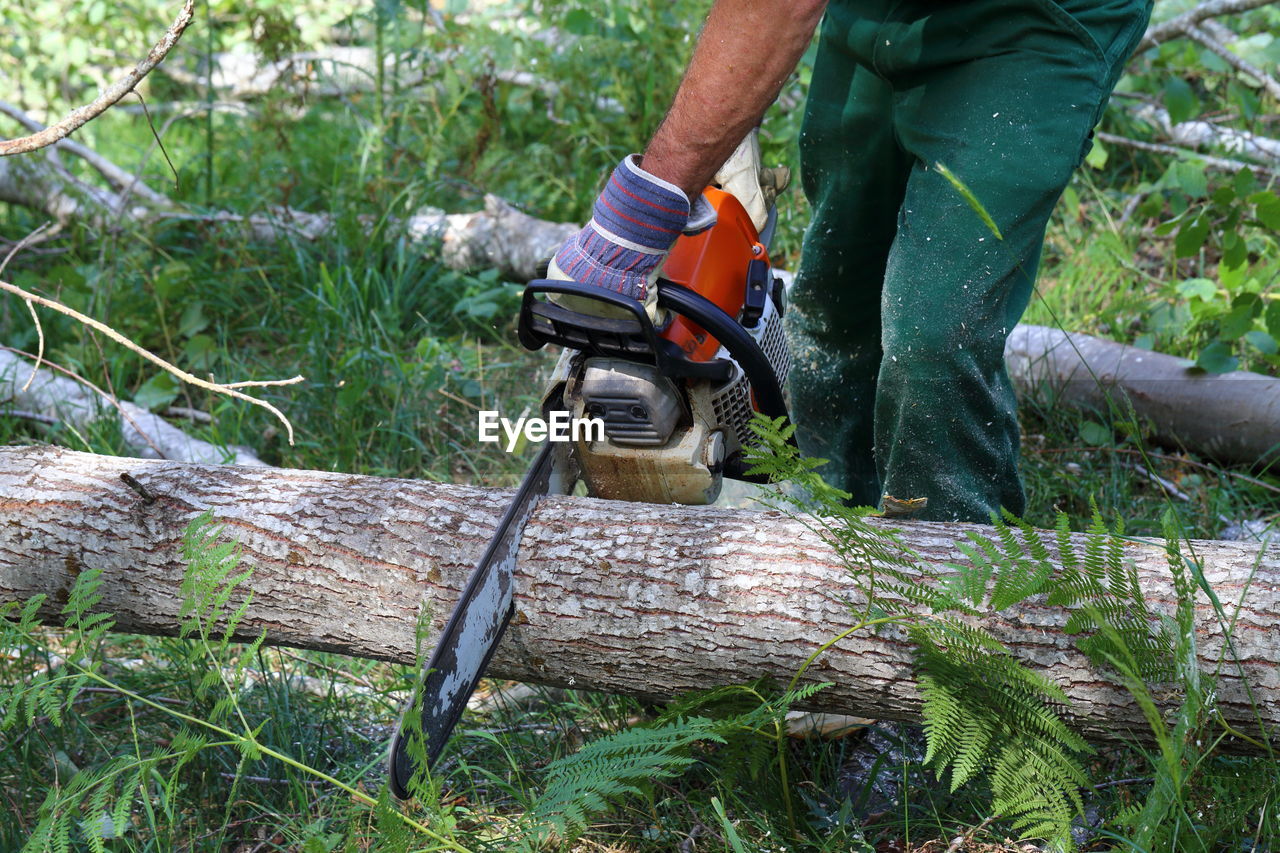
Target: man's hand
{"x":744,"y":54}
{"x":633,"y":225}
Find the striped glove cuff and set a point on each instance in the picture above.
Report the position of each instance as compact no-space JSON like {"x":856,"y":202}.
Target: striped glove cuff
{"x":639,"y":211}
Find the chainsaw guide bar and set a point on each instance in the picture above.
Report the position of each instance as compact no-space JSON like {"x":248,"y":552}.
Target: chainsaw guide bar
{"x":469,"y":639}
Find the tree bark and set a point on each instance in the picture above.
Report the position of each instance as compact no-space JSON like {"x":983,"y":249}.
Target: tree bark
{"x":1232,"y":417}
{"x":630,"y":598}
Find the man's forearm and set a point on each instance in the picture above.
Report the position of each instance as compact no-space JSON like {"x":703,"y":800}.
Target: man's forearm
{"x":745,"y":53}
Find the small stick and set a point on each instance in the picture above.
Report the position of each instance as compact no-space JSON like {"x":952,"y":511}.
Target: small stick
{"x":132,"y":482}
{"x":229,"y":390}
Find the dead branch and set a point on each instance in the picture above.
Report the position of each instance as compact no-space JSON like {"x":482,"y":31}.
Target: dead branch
{"x":75,"y":401}
{"x":1221,"y":164}
{"x":1177,"y":27}
{"x":1202,"y":35}
{"x":230,"y":390}
{"x":118,"y":178}
{"x":82,"y":115}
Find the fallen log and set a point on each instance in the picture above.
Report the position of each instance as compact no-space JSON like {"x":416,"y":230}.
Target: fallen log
{"x":63,"y":399}
{"x":1231,"y":417}
{"x":499,"y":237}
{"x":623,"y":597}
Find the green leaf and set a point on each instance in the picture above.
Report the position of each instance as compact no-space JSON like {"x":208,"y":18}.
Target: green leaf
{"x":1198,"y":288}
{"x":157,"y":392}
{"x":1189,"y":177}
{"x":1095,"y":434}
{"x":193,"y":320}
{"x":198,"y":352}
{"x":1217,"y":358}
{"x":1191,"y":237}
{"x":1235,"y":251}
{"x":1262,"y":342}
{"x":1180,"y":100}
{"x":1097,"y":156}
{"x":580,"y":22}
{"x":1243,"y":182}
{"x":1272,"y":318}
{"x":1267,"y":208}
{"x":1235,"y":323}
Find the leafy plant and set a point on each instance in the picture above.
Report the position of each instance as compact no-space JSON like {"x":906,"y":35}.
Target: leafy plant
{"x":96,"y":804}
{"x":987,"y":715}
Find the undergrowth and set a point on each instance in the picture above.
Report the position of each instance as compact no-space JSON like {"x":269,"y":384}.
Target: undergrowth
{"x":119,"y":742}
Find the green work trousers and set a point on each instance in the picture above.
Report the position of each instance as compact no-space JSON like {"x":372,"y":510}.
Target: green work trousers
{"x":905,"y":294}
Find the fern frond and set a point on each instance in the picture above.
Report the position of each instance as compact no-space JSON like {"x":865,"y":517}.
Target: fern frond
{"x":612,"y":767}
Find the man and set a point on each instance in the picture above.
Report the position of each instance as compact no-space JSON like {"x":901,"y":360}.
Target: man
{"x":905,"y":295}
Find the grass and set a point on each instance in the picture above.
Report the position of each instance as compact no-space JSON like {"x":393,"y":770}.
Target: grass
{"x":399,"y":351}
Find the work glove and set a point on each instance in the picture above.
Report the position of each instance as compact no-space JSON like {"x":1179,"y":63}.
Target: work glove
{"x":634,"y":223}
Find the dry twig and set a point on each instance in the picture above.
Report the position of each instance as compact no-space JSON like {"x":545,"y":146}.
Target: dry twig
{"x":82,"y":115}
{"x":1177,"y":27}
{"x":1203,"y":36}
{"x":1222,"y":164}
{"x":231,"y":390}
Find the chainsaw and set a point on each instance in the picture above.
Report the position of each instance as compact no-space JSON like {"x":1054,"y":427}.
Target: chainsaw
{"x":674,"y":386}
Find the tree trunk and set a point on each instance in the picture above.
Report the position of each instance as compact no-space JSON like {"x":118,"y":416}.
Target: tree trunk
{"x":623,"y":597}
{"x":1232,"y":417}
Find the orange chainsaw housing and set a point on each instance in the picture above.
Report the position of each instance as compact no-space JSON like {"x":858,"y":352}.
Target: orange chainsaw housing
{"x":713,"y":264}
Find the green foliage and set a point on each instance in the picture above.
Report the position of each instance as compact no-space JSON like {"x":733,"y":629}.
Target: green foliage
{"x":1233,"y":316}
{"x":101,"y":803}
{"x":582,"y":784}
{"x":397,"y":350}
{"x":988,"y":716}
{"x":747,"y":724}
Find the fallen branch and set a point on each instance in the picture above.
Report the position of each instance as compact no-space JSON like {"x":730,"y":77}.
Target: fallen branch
{"x":77,"y":403}
{"x":81,"y":115}
{"x":1202,"y":35}
{"x":118,"y":178}
{"x":1232,"y":417}
{"x":1221,"y":164}
{"x":625,"y":597}
{"x":1199,"y":133}
{"x":1177,"y":27}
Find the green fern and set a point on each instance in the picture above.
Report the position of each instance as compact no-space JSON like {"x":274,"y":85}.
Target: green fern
{"x":627,"y":762}
{"x":584,"y":783}
{"x":986,"y":715}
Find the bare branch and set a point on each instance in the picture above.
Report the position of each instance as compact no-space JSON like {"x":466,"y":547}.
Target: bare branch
{"x":67,"y":402}
{"x":111,"y":173}
{"x":82,"y":115}
{"x":1222,"y":164}
{"x":1201,"y":35}
{"x":1177,"y":27}
{"x":157,"y":360}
